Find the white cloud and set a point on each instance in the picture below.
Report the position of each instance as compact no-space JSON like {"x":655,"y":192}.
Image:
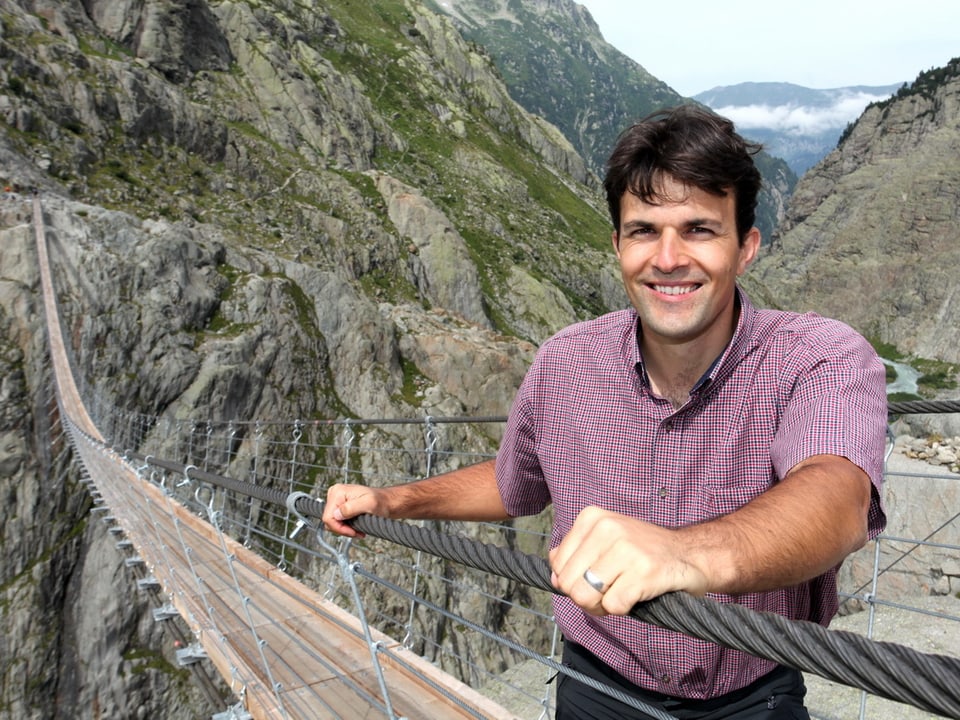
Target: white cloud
{"x":798,"y":119}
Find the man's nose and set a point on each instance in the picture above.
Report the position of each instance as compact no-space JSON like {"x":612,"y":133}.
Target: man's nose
{"x":670,"y":251}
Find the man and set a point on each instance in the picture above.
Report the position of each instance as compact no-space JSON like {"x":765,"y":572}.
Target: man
{"x":692,"y":443}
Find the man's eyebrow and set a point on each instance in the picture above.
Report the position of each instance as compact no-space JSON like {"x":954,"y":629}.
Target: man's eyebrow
{"x":692,"y":222}
{"x":706,"y":222}
{"x":637,"y":224}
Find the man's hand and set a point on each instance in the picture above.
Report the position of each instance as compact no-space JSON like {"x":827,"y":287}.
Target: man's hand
{"x":469,"y":493}
{"x":798,"y":529}
{"x":635,"y":560}
{"x":348,"y":501}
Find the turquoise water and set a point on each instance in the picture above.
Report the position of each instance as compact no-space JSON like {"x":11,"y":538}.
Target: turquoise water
{"x":906,"y":381}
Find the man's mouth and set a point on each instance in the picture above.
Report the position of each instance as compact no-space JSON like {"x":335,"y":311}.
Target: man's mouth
{"x":675,"y":289}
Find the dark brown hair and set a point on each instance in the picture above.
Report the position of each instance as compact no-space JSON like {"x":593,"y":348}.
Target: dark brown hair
{"x":693,"y":145}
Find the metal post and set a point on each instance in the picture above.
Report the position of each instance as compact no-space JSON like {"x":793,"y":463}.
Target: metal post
{"x":870,"y":597}
{"x":348,"y":437}
{"x":297,"y":434}
{"x":248,"y":525}
{"x":545,"y":713}
{"x":430,"y":433}
{"x":348,"y":572}
{"x":214,"y":517}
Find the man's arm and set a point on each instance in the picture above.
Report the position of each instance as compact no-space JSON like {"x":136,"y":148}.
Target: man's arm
{"x":469,"y":493}
{"x":798,"y":529}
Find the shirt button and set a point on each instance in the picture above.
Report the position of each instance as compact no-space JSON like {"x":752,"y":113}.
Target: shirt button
{"x":667,"y":425}
{"x":663,"y":493}
{"x":665,"y":679}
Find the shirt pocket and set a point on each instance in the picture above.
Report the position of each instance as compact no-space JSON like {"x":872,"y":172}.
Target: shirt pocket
{"x":723,"y":493}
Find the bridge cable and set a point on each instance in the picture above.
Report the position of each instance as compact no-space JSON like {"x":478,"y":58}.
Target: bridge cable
{"x":884,"y":669}
{"x":922,"y":407}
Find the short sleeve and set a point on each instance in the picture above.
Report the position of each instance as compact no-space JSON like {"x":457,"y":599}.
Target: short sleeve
{"x":836,"y":404}
{"x":520,"y":480}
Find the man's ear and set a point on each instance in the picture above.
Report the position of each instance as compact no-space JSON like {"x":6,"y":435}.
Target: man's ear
{"x":748,"y":250}
{"x":615,"y":239}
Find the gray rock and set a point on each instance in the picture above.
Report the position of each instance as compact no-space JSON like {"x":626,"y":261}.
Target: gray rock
{"x":869,"y":232}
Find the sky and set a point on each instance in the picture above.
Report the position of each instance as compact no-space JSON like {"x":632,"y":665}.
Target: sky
{"x":696,"y":45}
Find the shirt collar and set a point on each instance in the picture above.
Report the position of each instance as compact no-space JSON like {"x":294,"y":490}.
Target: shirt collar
{"x":725,"y":361}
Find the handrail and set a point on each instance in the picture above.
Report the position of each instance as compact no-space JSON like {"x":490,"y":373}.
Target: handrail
{"x":889,"y":670}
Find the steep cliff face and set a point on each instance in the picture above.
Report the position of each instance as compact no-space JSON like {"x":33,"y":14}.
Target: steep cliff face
{"x":270,"y":134}
{"x":871,"y":233}
{"x":290,"y":145}
{"x":255,"y":210}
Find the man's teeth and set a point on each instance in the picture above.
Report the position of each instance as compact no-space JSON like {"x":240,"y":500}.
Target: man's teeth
{"x":675,"y":289}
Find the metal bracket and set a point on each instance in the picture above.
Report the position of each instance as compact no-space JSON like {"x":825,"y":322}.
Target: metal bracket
{"x":302,"y":520}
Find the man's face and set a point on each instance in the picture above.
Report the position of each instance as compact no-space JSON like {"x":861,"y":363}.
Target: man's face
{"x":680,"y":260}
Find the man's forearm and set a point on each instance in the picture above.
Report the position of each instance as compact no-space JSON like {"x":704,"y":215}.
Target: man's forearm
{"x":796,"y":530}
{"x":469,"y":493}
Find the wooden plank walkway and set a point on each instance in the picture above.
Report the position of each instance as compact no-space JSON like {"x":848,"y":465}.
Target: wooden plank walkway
{"x":292,"y":653}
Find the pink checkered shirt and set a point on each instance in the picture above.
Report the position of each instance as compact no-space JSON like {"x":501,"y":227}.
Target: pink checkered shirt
{"x":585,"y":429}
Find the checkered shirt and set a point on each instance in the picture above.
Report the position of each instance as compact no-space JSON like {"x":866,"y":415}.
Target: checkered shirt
{"x":586,"y":429}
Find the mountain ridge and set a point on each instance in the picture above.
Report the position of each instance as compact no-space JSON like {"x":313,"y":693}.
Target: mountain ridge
{"x":799,"y":124}
{"x":556,"y":64}
{"x":784,"y":93}
{"x":870,"y":233}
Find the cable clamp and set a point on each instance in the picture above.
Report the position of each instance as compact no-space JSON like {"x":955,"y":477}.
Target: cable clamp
{"x":302,"y":520}
{"x":186,"y":475}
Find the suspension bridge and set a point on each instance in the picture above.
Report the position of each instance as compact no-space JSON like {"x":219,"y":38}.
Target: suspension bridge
{"x":417,"y":621}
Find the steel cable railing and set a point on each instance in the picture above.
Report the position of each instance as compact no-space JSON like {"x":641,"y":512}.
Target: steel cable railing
{"x":884,"y":669}
{"x":876,"y":667}
{"x":888,"y":670}
{"x":922,"y":407}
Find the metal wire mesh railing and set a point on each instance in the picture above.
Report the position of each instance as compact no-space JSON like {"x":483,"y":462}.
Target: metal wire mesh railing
{"x":307,"y":457}
{"x":904,"y":587}
{"x":473,"y":625}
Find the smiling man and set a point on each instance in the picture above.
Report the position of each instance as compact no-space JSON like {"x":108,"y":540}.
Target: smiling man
{"x":693,"y":443}
{"x":680,"y":255}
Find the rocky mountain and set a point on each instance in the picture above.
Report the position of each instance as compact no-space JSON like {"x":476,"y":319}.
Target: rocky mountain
{"x":256,"y":210}
{"x":872,"y":233}
{"x":801,"y":125}
{"x":556,"y":64}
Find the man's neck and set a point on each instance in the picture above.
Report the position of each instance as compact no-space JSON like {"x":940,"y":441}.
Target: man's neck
{"x":673,"y":374}
{"x":674,"y":369}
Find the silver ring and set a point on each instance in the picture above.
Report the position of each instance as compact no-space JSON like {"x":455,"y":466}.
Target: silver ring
{"x":593,"y":581}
